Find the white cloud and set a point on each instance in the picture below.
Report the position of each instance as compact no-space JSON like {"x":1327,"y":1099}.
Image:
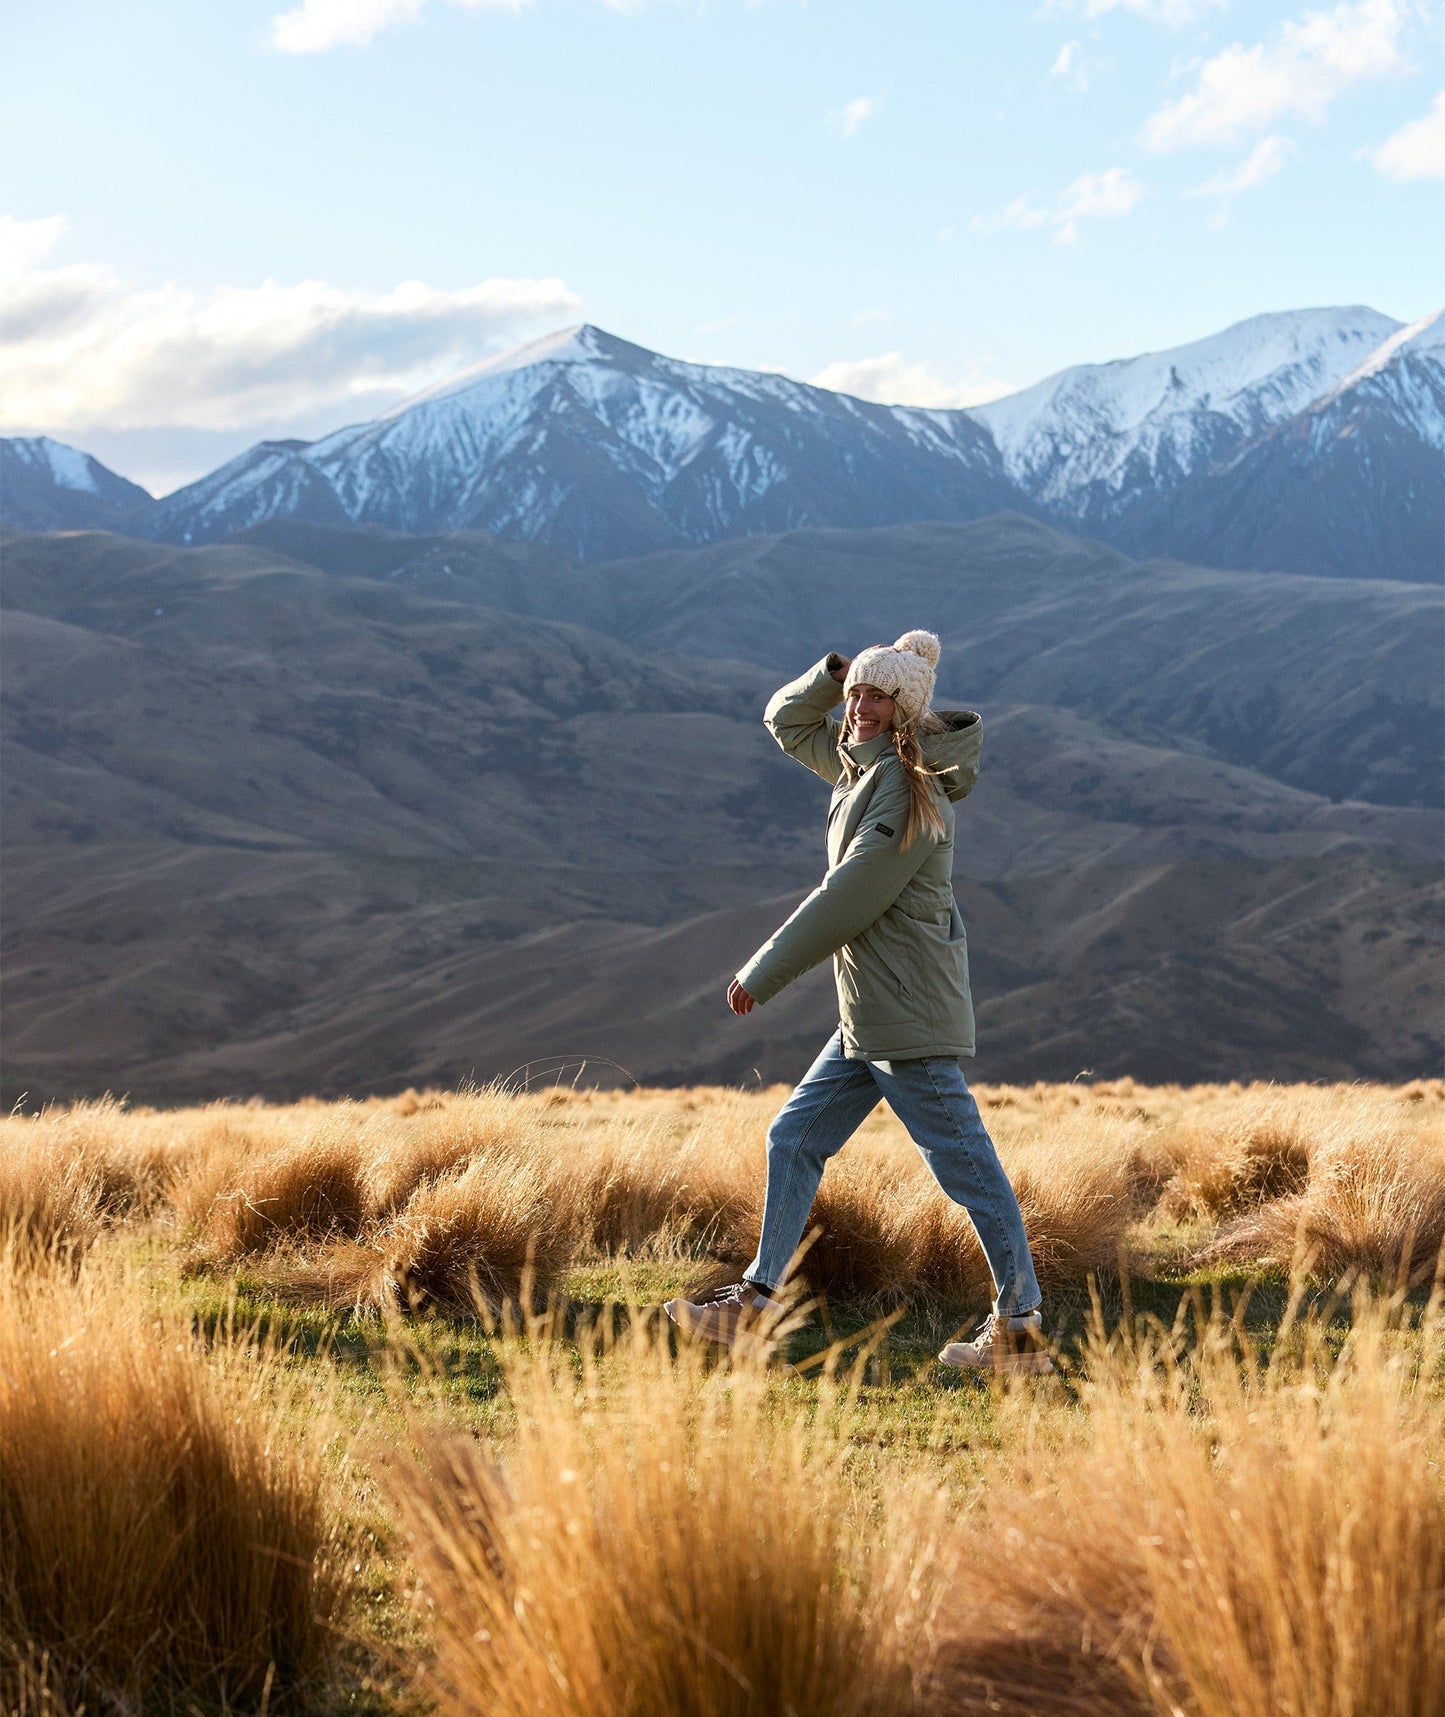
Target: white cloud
{"x":316,"y":25}
{"x":80,"y":347}
{"x":890,"y":379}
{"x":720,"y":324}
{"x":857,"y":114}
{"x":1310,"y":61}
{"x":1108,"y":196}
{"x":1266,"y":159}
{"x":1020,"y":215}
{"x":1069,"y":65}
{"x":1417,"y":149}
{"x":1174,"y":13}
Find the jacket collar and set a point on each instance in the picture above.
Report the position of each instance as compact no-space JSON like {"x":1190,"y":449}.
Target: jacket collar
{"x":864,"y":755}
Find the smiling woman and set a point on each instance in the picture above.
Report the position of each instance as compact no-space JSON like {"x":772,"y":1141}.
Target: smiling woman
{"x":887,"y":916}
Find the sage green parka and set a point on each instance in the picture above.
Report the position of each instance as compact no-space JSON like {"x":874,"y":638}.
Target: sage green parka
{"x":885,"y":912}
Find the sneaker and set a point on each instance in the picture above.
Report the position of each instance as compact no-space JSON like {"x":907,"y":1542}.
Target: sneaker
{"x":1002,"y":1344}
{"x":722,"y":1316}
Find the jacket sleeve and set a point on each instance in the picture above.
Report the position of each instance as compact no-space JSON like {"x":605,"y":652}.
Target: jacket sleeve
{"x":855,"y":893}
{"x":797,"y":717}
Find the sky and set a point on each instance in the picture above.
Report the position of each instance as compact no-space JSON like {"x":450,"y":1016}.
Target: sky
{"x":254,"y":218}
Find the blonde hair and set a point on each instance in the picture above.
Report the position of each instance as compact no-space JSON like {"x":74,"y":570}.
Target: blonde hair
{"x":923,"y":790}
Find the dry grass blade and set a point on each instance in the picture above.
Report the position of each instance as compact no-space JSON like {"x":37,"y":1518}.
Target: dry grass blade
{"x":659,"y":1540}
{"x":163,"y":1536}
{"x":1373,"y":1203}
{"x":243,"y":1202}
{"x":473,"y":1239}
{"x":1228,"y":1543}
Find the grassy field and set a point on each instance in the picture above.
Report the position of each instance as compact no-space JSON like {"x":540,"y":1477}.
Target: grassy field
{"x":366,"y":1407}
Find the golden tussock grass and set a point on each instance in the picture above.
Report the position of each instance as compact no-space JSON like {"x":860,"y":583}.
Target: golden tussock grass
{"x":241,"y":1201}
{"x":50,"y":1207}
{"x":346,"y":1199}
{"x":466,"y":1244}
{"x":166,"y":1535}
{"x":658,"y":1539}
{"x":1173,"y":1526}
{"x":65,"y":1173}
{"x":1217,"y":1537}
{"x":1348,"y":1189}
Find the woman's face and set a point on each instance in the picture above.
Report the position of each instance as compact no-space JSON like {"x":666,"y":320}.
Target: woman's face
{"x":870,"y":712}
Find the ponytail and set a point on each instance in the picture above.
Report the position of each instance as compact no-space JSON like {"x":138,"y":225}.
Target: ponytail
{"x":924,"y":815}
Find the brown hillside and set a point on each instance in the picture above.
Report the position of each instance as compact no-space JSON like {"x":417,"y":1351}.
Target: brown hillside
{"x":274,"y":828}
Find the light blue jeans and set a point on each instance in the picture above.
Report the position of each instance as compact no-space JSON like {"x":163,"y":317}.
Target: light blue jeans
{"x":933,"y":1102}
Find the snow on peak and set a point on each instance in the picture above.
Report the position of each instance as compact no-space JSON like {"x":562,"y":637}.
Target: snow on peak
{"x":581,"y":344}
{"x":1093,"y":423}
{"x":1426,"y":335}
{"x":67,"y":467}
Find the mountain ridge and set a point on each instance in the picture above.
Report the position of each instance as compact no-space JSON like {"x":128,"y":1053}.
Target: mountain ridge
{"x":1225,"y":451}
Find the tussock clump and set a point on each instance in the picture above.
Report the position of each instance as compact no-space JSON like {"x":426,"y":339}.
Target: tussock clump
{"x":128,"y":1156}
{"x":1423,"y":1091}
{"x":657,"y":1541}
{"x":860,"y":1242}
{"x":1222,"y":1171}
{"x":164,"y":1535}
{"x":50,"y":1206}
{"x":1372,"y":1204}
{"x":1227,"y":1542}
{"x":474,"y":1240}
{"x":437,"y":1138}
{"x":1077,"y":1186}
{"x":637,"y":1183}
{"x":67,"y":1172}
{"x":241,"y":1202}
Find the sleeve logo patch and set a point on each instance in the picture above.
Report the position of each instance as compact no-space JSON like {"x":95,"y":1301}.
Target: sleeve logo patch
{"x":883,"y":829}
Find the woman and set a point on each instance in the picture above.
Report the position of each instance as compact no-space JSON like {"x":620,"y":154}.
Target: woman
{"x":886,"y":914}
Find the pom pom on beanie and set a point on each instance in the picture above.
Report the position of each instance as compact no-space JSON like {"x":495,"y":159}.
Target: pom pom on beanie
{"x":905,"y":670}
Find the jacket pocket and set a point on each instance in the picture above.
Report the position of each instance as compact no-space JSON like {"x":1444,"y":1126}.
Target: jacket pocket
{"x":882,"y":980}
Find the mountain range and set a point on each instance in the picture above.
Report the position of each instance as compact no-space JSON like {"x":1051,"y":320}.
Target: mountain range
{"x":1308,"y":441}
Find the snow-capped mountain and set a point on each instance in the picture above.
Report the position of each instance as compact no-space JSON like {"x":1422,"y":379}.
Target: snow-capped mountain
{"x":1353,"y":485}
{"x":1307,"y":440}
{"x":603,"y":448}
{"x":1089,"y":442}
{"x":47,"y":486}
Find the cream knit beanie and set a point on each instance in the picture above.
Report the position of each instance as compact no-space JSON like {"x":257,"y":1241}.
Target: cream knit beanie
{"x":905,"y":670}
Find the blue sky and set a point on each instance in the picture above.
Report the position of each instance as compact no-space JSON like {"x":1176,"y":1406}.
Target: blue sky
{"x":258,"y":217}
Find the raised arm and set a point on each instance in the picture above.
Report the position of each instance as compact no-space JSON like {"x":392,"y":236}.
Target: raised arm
{"x":797,"y":716}
{"x":855,"y":893}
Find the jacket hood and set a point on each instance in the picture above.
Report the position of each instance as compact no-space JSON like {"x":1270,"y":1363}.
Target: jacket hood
{"x":955,"y":752}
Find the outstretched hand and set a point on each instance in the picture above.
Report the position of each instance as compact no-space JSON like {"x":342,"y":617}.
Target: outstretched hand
{"x":738,"y":998}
